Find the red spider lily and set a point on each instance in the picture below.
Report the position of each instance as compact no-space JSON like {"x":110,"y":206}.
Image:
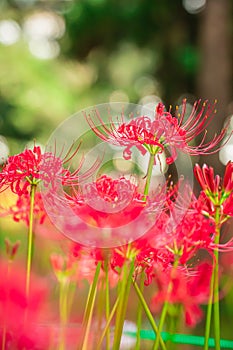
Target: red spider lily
{"x":108,"y":202}
{"x":11,"y":248}
{"x":148,"y":257}
{"x":165,"y":131}
{"x":31,"y":167}
{"x":218,"y":192}
{"x":21,"y":316}
{"x":86,"y":259}
{"x":181,"y":235}
{"x":183,"y":226}
{"x":20,"y":210}
{"x":22,"y":170}
{"x":63,"y":266}
{"x":188,"y":289}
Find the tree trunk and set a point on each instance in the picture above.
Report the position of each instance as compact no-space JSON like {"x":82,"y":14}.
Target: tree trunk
{"x":215,"y":73}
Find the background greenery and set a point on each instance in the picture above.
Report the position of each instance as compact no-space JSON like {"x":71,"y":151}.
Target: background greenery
{"x":66,"y":55}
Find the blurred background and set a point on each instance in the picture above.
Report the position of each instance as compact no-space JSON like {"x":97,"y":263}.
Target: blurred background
{"x":58,"y":57}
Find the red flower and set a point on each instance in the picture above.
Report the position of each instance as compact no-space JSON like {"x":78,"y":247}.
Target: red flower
{"x":11,"y":248}
{"x":21,"y":316}
{"x":165,"y":131}
{"x":63,"y":266}
{"x":218,"y":192}
{"x":188,"y":289}
{"x":108,"y":202}
{"x":31,"y":167}
{"x":22,"y":170}
{"x":20,"y":211}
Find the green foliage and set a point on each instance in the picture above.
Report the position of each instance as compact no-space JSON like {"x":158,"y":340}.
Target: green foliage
{"x":130,"y":49}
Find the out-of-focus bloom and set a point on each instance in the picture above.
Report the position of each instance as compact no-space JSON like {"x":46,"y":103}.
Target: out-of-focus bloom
{"x":21,"y":316}
{"x":181,"y":228}
{"x":63,"y":266}
{"x":11,"y":248}
{"x":148,"y":257}
{"x":188,"y":289}
{"x":163,"y":132}
{"x":108,"y":202}
{"x":20,"y":211}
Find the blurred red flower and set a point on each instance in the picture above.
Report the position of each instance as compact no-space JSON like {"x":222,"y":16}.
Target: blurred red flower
{"x":21,"y":316}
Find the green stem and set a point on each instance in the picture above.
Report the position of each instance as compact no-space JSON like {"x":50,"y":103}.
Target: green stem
{"x":209,"y":313}
{"x":30,"y":237}
{"x":149,"y":174}
{"x":165,"y":307}
{"x":106,"y":328}
{"x":139,"y":314}
{"x":100,"y":306}
{"x":124,"y":295}
{"x":63,"y":306}
{"x":161,"y":323}
{"x":216,"y":284}
{"x":90,"y":307}
{"x":148,"y":314}
{"x":214,"y":291}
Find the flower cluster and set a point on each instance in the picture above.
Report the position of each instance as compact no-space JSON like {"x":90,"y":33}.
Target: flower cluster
{"x":176,"y":256}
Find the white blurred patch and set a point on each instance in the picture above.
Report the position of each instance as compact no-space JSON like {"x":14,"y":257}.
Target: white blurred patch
{"x":44,"y":49}
{"x":4,"y":150}
{"x":44,"y":25}
{"x":127,"y":342}
{"x":42,"y":30}
{"x":226,"y":153}
{"x":9,"y":32}
{"x":194,"y":6}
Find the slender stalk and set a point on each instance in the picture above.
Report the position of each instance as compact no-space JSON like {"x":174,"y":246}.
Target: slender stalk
{"x":100,"y":306}
{"x":9,"y":264}
{"x":139,"y":314}
{"x":209,"y":313}
{"x":106,"y":328}
{"x":161,"y":323}
{"x":148,"y":314}
{"x":149,"y":174}
{"x":216,"y":283}
{"x":216,"y":306}
{"x":124,"y":295}
{"x":214,"y":292}
{"x":107,"y":310}
{"x":90,"y":307}
{"x":165,"y":307}
{"x":4,"y":337}
{"x":63,"y":306}
{"x":30,"y":238}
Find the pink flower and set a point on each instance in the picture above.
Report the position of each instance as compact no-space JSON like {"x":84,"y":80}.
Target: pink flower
{"x":163,"y":132}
